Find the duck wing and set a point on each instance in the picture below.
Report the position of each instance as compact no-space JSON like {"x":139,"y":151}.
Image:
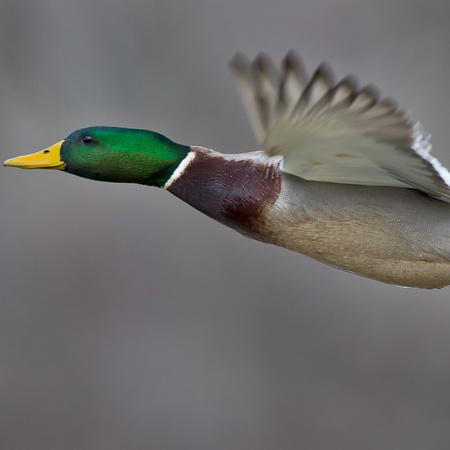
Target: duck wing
{"x":335,"y":132}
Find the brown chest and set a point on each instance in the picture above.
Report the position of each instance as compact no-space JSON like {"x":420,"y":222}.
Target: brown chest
{"x":232,"y":190}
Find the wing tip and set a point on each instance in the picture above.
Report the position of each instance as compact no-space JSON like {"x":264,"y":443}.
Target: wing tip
{"x":239,"y":65}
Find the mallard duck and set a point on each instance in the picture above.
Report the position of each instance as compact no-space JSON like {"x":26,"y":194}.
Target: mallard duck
{"x":344,"y":177}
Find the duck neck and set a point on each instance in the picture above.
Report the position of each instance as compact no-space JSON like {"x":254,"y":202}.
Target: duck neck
{"x":232,"y":189}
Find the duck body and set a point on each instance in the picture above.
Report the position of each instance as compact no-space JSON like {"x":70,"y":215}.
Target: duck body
{"x":345,"y":177}
{"x":394,"y":235}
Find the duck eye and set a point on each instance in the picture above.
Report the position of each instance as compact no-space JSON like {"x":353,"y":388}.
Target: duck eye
{"x":87,"y":139}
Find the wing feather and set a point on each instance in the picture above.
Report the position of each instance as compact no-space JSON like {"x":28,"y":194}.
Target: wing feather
{"x":335,"y":132}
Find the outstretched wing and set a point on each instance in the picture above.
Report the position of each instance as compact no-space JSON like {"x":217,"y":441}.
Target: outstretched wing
{"x":335,"y":132}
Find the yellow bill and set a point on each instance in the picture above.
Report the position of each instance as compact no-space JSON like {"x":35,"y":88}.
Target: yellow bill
{"x":45,"y":159}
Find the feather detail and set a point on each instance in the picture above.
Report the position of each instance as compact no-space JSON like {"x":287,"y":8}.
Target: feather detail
{"x":335,"y":132}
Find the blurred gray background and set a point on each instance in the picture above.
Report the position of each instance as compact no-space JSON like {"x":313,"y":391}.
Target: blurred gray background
{"x":129,"y":320}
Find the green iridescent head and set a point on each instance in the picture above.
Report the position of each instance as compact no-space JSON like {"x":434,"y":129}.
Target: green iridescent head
{"x":121,"y":155}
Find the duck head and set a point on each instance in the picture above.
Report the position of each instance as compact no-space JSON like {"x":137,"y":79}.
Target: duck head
{"x":121,"y":155}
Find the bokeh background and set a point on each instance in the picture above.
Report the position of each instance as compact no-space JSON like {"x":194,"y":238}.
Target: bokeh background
{"x":130,"y":321}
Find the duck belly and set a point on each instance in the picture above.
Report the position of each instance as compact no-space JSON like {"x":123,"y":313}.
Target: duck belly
{"x":394,"y":235}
